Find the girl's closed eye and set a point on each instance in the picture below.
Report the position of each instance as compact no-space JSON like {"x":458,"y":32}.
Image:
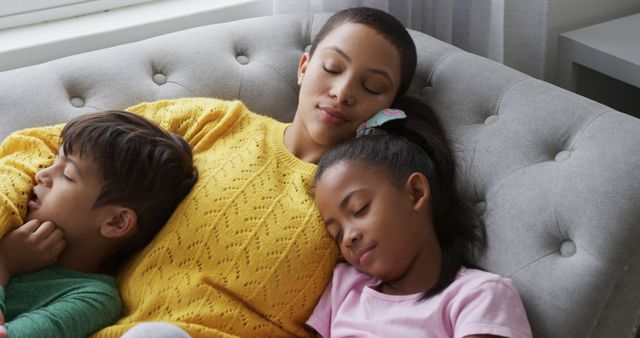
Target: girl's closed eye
{"x":338,"y":237}
{"x":335,"y":232}
{"x":371,"y":91}
{"x":362,"y":210}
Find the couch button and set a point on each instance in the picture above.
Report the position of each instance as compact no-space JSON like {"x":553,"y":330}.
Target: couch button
{"x":491,"y":120}
{"x":242,"y":59}
{"x":159,"y":79}
{"x":77,"y":102}
{"x":425,"y":90}
{"x":568,"y":248}
{"x":563,"y":155}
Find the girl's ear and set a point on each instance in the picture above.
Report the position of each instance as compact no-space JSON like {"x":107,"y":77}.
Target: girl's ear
{"x":122,"y":223}
{"x":419,"y":190}
{"x":302,"y":66}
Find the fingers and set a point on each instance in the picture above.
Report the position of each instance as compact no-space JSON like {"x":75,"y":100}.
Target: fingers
{"x":45,"y":230}
{"x":30,"y":226}
{"x":47,"y":234}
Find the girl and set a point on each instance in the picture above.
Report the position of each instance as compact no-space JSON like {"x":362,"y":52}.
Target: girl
{"x":389,"y":201}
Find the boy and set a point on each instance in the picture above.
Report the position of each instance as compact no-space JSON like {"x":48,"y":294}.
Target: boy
{"x":116,"y":180}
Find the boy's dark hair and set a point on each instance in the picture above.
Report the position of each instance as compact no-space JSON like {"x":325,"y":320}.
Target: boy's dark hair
{"x":144,"y":167}
{"x":387,"y":26}
{"x":418,"y":144}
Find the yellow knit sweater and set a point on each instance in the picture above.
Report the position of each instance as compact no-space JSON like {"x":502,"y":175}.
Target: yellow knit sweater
{"x":245,"y":254}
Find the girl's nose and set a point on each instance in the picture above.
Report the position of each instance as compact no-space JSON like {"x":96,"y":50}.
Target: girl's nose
{"x":351,"y":238}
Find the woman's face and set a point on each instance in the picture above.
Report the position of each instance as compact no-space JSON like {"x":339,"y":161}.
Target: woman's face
{"x":354,"y":72}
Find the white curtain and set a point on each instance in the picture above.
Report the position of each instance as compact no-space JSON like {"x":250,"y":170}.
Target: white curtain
{"x":513,"y":32}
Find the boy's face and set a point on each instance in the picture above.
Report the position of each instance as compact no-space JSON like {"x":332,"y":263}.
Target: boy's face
{"x":65,"y":193}
{"x":372,"y":220}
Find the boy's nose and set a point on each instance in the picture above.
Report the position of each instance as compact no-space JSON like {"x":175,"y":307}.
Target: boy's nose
{"x":43,"y":176}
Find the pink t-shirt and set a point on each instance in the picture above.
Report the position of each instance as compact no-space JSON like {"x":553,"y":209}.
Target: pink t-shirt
{"x":477,"y":302}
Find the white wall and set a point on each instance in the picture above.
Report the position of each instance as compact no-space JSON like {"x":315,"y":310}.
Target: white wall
{"x":567,"y":15}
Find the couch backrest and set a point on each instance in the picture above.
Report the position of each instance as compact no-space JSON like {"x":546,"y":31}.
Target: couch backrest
{"x":554,"y":175}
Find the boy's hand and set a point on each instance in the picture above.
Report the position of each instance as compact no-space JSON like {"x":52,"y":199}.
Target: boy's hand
{"x":28,"y":248}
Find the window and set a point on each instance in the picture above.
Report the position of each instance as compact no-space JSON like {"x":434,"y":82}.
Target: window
{"x":19,"y":13}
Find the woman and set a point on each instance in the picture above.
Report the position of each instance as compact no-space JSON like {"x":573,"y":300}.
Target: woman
{"x":246,"y":253}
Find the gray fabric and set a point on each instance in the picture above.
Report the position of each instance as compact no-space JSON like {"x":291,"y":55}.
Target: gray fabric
{"x":555,"y":175}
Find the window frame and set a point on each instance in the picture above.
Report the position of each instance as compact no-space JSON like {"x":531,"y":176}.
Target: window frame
{"x":20,"y":13}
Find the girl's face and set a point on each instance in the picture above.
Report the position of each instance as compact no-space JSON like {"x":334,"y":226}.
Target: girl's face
{"x":380,"y":228}
{"x":353,"y":73}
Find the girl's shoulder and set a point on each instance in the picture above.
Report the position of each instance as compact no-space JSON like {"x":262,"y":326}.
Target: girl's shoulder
{"x":473,"y":285}
{"x":473,"y":278}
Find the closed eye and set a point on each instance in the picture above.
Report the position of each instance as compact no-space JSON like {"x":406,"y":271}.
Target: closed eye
{"x":370,"y":91}
{"x":330,"y":71}
{"x":362,"y":211}
{"x":338,"y":238}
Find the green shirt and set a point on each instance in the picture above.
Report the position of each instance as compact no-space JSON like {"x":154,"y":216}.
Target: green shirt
{"x":57,"y":302}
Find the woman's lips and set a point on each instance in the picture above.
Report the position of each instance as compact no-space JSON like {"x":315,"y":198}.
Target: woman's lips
{"x":332,"y":116}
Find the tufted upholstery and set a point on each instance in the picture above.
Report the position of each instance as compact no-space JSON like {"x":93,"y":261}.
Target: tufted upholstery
{"x":554,"y":175}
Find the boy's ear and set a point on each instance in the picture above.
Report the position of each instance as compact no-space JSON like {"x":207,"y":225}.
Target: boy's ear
{"x":302,"y":66}
{"x":419,"y":190}
{"x":122,"y":223}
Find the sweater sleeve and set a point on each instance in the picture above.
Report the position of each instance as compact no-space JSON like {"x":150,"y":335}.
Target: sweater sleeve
{"x":199,"y":120}
{"x":79,"y":313}
{"x":22,"y":154}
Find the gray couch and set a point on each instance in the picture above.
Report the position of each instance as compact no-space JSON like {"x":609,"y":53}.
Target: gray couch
{"x":555,"y":175}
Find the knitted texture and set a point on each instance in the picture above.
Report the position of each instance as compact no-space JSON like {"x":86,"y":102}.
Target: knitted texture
{"x":246,"y":253}
{"x":22,"y":154}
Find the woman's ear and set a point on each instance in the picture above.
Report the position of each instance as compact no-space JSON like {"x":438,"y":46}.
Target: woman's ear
{"x":122,"y":223}
{"x":302,"y":66}
{"x":419,"y":190}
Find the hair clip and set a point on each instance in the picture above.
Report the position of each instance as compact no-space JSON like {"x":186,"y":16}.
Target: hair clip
{"x":379,"y":119}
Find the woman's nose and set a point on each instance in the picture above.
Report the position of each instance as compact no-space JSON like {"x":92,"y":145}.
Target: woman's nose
{"x":342,"y":91}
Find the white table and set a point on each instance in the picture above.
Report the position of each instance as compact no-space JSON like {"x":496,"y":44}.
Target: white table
{"x":611,"y":48}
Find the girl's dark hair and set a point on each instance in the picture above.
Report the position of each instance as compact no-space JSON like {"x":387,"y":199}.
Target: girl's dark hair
{"x":418,"y":144}
{"x":387,"y":26}
{"x":144,"y":167}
